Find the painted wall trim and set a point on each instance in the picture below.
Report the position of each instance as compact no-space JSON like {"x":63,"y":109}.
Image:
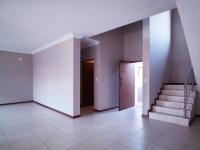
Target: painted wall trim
{"x":14,"y":51}
{"x":58,"y":41}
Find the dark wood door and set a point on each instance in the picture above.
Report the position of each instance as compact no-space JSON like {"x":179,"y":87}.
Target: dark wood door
{"x":87,"y":83}
{"x":127,"y":85}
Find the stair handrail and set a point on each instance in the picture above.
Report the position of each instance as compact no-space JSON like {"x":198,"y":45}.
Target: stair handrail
{"x":188,"y":88}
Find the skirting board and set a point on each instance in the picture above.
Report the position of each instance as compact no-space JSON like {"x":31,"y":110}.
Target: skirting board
{"x":105,"y":109}
{"x":57,"y":110}
{"x":14,"y":103}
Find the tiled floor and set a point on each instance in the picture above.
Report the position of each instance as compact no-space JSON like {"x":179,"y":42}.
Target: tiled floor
{"x":32,"y":127}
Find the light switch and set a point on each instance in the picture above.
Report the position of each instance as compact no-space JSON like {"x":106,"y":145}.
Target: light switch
{"x":20,"y":59}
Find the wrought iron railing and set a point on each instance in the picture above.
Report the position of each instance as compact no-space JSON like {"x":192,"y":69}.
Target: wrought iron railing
{"x":189,"y":88}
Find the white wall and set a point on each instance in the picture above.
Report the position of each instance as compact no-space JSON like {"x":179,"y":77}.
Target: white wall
{"x":157,"y":42}
{"x":146,"y":66}
{"x":16,"y":77}
{"x":160,"y":44}
{"x":190,"y":16}
{"x":56,"y":77}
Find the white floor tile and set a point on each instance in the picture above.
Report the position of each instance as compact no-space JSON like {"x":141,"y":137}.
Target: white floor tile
{"x":33,"y":127}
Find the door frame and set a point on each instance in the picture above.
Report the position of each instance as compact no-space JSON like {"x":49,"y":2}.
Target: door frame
{"x":124,"y":61}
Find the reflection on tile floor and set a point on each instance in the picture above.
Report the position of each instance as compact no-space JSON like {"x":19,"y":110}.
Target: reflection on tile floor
{"x":32,"y":127}
{"x":86,"y":110}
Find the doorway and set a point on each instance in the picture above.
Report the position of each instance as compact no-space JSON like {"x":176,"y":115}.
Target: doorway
{"x":130,"y":84}
{"x":138,"y":84}
{"x":87,"y":86}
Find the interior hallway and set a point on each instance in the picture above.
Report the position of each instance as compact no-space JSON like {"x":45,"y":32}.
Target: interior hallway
{"x":30,"y":126}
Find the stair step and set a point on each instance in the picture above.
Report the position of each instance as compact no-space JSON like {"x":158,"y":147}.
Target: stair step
{"x":169,"y":118}
{"x":177,"y":87}
{"x":177,"y":93}
{"x":173,"y":87}
{"x":176,"y":105}
{"x":171,"y":111}
{"x":175,"y":98}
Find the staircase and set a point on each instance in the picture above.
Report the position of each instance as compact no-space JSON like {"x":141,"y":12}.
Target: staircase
{"x":175,"y":105}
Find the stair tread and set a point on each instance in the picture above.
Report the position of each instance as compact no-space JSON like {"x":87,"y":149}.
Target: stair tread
{"x":168,"y":114}
{"x":177,"y":90}
{"x":182,"y":84}
{"x":172,"y":95}
{"x":170,"y":108}
{"x":173,"y":90}
{"x":168,"y":101}
{"x":172,"y":101}
{"x":173,"y":83}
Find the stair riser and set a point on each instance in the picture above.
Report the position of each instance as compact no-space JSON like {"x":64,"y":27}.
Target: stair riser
{"x":170,"y":119}
{"x":175,"y":99}
{"x":170,"y":111}
{"x":176,"y":93}
{"x":173,"y":105}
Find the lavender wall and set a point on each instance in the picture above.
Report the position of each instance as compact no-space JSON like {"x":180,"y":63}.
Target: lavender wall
{"x":16,"y":78}
{"x":133,"y":42}
{"x":124,"y":43}
{"x":180,"y":58}
{"x":109,"y":54}
{"x":56,"y":77}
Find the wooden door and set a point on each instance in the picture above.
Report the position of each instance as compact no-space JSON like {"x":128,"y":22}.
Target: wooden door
{"x":127,"y":85}
{"x":87,"y":83}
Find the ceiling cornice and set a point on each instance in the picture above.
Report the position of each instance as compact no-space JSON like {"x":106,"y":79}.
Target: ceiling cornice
{"x":58,"y":41}
{"x":14,"y":51}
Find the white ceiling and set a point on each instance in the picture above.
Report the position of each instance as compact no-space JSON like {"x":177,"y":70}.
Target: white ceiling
{"x":27,"y":25}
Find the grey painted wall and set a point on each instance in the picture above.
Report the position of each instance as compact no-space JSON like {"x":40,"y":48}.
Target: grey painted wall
{"x":180,"y":58}
{"x":56,"y":77}
{"x":16,"y":77}
{"x":110,"y":52}
{"x":133,"y":41}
